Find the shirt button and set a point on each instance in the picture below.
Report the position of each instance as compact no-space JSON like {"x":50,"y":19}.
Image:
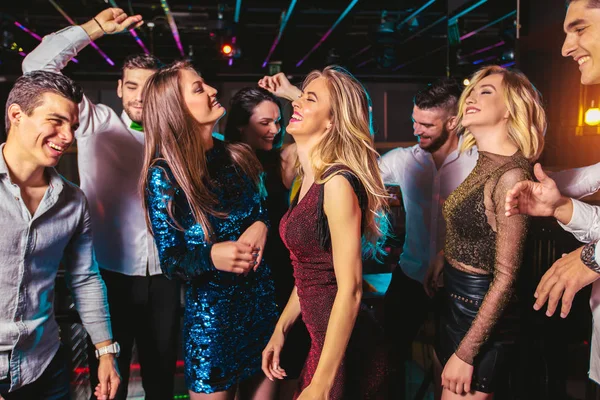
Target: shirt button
{"x":16,"y":198}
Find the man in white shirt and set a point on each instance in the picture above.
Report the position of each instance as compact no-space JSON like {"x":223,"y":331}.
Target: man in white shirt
{"x":426,"y":174}
{"x":579,"y":268}
{"x":143,"y":303}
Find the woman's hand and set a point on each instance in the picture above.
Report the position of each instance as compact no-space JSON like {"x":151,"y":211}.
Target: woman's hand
{"x":270,"y":356}
{"x":235,"y":257}
{"x":314,"y":392}
{"x":280,"y":86}
{"x":457,"y":375}
{"x":255,"y":236}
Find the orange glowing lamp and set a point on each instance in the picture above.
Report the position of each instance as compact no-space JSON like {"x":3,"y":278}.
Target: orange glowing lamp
{"x":227,"y":49}
{"x":592,"y":115}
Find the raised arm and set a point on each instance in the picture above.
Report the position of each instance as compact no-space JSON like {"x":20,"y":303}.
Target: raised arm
{"x":57,"y":49}
{"x":280,"y":86}
{"x":343,"y":212}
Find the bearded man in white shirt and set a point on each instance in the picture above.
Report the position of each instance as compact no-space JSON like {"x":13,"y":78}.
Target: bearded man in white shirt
{"x":581,"y":267}
{"x":143,"y":303}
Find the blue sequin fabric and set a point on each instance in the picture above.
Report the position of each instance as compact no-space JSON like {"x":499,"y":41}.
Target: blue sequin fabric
{"x":228,"y":318}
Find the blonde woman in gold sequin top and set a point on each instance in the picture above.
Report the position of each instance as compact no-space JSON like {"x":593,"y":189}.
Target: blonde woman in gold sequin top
{"x":501,"y":112}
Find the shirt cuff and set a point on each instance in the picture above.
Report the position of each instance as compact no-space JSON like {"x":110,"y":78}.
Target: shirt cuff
{"x":578,"y":221}
{"x":99,"y":331}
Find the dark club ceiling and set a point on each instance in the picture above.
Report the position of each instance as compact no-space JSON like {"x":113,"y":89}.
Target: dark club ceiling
{"x":401,"y":39}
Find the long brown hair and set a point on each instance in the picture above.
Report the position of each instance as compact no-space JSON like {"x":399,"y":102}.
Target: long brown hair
{"x":172,"y":136}
{"x":350,"y":143}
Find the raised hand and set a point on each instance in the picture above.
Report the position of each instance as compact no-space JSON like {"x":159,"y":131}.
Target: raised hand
{"x":114,"y":20}
{"x":111,"y":21}
{"x":280,"y":86}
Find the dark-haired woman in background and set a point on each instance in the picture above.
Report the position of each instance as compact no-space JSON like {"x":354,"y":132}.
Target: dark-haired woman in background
{"x":255,"y":119}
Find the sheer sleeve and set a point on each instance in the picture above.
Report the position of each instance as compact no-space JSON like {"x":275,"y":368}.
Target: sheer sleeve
{"x":511,"y":233}
{"x":182,"y":253}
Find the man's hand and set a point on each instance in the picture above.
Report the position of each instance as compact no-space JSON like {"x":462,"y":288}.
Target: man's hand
{"x":565,"y":278}
{"x":541,"y":199}
{"x":109,"y":378}
{"x":110,"y":22}
{"x":433,"y":277}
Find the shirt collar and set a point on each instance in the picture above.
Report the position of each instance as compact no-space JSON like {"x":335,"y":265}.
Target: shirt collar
{"x":3,"y":166}
{"x":418,"y":151}
{"x":55,"y":180}
{"x":126,"y":120}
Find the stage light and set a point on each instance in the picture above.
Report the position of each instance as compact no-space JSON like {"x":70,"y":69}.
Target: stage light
{"x":592,"y":115}
{"x":227,"y":50}
{"x":466,"y":82}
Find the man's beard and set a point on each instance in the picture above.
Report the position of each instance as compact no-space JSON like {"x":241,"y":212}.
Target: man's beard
{"x":133,"y":115}
{"x":438,"y":142}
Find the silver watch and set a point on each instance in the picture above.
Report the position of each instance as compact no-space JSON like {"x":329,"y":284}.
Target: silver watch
{"x":114,"y":348}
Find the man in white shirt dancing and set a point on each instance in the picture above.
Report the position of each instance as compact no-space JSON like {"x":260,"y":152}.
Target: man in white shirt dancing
{"x":581,"y":267}
{"x":143,"y":302}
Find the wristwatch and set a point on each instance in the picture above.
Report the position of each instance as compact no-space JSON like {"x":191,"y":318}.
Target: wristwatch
{"x":114,"y":348}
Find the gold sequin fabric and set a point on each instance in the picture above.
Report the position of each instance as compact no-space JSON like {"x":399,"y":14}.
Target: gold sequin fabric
{"x":481,"y":239}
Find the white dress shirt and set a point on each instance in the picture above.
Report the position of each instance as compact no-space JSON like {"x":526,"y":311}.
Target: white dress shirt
{"x":585,"y":226}
{"x":424,"y":190}
{"x":110,"y":158}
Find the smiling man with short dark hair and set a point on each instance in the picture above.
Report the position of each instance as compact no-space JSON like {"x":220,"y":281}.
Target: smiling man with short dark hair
{"x":44,"y":221}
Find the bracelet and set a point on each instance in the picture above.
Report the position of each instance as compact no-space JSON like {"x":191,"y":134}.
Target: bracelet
{"x":100,"y":26}
{"x":588,"y":257}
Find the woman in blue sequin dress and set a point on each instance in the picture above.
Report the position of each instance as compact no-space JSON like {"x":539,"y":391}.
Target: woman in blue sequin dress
{"x":204,"y":200}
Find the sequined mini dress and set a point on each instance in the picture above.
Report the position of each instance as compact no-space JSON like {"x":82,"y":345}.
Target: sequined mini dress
{"x":362,"y":373}
{"x":483,"y":250}
{"x":228,"y":318}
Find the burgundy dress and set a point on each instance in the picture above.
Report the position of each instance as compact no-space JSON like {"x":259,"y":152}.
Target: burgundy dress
{"x":362,"y":372}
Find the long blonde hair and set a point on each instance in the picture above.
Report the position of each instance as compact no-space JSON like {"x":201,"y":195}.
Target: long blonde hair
{"x":172,"y":136}
{"x":350,"y":143}
{"x":527,"y":117}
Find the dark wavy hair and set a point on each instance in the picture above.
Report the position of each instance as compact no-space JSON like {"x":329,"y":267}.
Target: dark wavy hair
{"x":141,"y":61}
{"x":29,"y":89}
{"x":241,"y":108}
{"x":443,"y":93}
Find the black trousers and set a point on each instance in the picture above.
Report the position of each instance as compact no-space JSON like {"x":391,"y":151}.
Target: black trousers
{"x":144,"y":309}
{"x":406,"y":308}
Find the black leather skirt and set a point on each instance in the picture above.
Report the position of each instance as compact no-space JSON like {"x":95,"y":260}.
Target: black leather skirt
{"x":460,"y":304}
